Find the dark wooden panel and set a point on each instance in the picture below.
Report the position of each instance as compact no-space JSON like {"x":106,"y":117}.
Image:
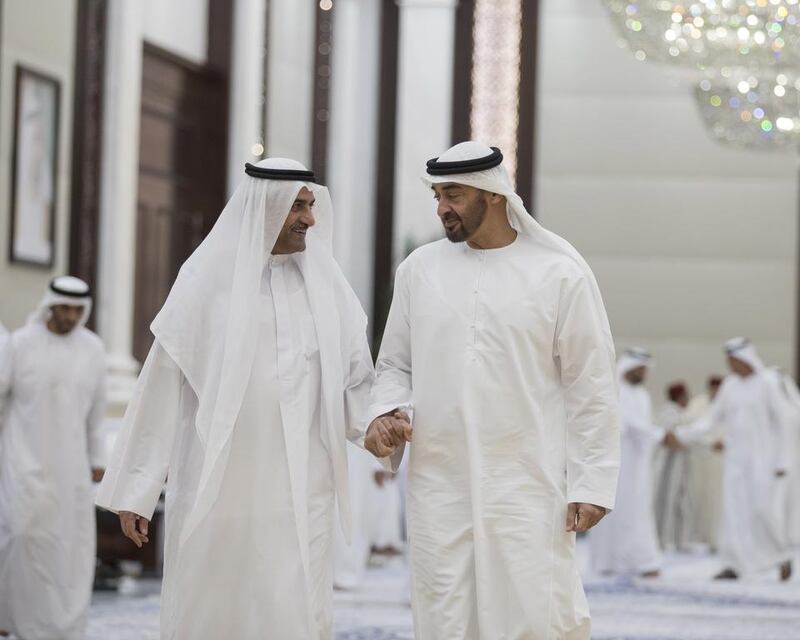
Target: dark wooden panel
{"x":526,"y":133}
{"x":322,"y":89}
{"x":462,"y":71}
{"x":384,"y":198}
{"x":87,"y":141}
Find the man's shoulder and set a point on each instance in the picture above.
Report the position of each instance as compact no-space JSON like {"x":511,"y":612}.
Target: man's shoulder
{"x":91,"y":340}
{"x":557,"y":260}
{"x":22,"y":336}
{"x":424,"y":253}
{"x":430,"y":249}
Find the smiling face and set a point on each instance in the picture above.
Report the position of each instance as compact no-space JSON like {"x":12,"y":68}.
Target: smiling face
{"x":292,"y":237}
{"x":461,"y":209}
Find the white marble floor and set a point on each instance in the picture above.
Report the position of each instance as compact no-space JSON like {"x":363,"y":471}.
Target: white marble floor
{"x":684,"y":604}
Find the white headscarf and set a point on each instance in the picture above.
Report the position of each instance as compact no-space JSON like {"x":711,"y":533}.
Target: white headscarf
{"x":742,"y":349}
{"x":631,"y":359}
{"x":67,"y":290}
{"x":209,"y":323}
{"x":496,"y":180}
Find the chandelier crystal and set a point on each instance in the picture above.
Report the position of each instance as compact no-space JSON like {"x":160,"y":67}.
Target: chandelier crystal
{"x":711,"y":33}
{"x":743,"y":109}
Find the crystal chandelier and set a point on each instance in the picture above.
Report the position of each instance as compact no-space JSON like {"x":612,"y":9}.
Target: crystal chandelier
{"x":711,"y":33}
{"x":744,"y":109}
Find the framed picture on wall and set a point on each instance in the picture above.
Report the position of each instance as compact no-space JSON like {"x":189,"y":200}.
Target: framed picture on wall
{"x":34,"y":166}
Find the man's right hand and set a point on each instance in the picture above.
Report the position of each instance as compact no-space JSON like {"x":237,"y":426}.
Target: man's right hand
{"x":387,"y":432}
{"x":134,"y":527}
{"x":671,"y":442}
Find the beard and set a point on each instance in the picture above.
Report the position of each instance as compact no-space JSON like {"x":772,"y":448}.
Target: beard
{"x":467,"y":222}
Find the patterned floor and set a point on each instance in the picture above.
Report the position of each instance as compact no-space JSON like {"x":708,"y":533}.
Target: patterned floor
{"x":684,"y":604}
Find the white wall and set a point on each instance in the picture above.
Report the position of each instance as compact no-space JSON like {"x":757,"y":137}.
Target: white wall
{"x":180,"y":26}
{"x":40,"y":36}
{"x":692,"y":242}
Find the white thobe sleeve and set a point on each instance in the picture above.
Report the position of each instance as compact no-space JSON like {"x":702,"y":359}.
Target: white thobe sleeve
{"x":779,"y":425}
{"x":583,"y":350}
{"x":95,"y":419}
{"x":392,"y":388}
{"x":701,"y":431}
{"x":135,"y":477}
{"x":356,"y":393}
{"x":641,"y":428}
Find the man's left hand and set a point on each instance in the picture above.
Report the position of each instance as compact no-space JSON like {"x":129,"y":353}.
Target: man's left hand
{"x":97,"y":474}
{"x":582,"y":516}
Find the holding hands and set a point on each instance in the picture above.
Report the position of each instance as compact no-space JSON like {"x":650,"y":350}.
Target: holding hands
{"x":387,"y":432}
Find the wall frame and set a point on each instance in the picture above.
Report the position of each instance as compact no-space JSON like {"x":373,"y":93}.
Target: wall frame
{"x":34,"y":168}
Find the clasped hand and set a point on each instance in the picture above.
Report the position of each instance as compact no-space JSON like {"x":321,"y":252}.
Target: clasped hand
{"x":387,"y":432}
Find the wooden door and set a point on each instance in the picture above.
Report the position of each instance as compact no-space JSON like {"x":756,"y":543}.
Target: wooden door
{"x":182,"y":173}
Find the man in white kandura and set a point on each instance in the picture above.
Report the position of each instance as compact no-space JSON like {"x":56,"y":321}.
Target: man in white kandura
{"x":705,"y":471}
{"x":791,"y":396}
{"x":498,"y":338}
{"x":671,"y":475}
{"x":258,"y":375}
{"x":52,"y":399}
{"x":756,"y":443}
{"x":627,"y":542}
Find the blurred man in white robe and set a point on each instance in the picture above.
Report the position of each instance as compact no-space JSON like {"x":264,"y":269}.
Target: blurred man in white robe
{"x":673,"y":497}
{"x":752,"y":533}
{"x":256,"y":380}
{"x":51,"y":449}
{"x":351,"y":558}
{"x":626,"y":542}
{"x":385,"y":531}
{"x":791,"y":396}
{"x":706,"y":461}
{"x":498,"y":339}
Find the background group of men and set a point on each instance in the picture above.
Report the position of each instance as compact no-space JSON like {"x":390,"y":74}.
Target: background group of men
{"x":720,"y":470}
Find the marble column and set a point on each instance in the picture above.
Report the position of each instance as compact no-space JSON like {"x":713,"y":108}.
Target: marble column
{"x":290,"y":78}
{"x":352,"y":139}
{"x":247,"y":73}
{"x":424,"y":114}
{"x":119,"y":185}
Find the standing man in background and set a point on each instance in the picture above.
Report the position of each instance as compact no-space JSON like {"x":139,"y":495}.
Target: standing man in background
{"x":627,"y":541}
{"x":756,"y":443}
{"x":673,"y":498}
{"x":51,"y":449}
{"x":705,"y":471}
